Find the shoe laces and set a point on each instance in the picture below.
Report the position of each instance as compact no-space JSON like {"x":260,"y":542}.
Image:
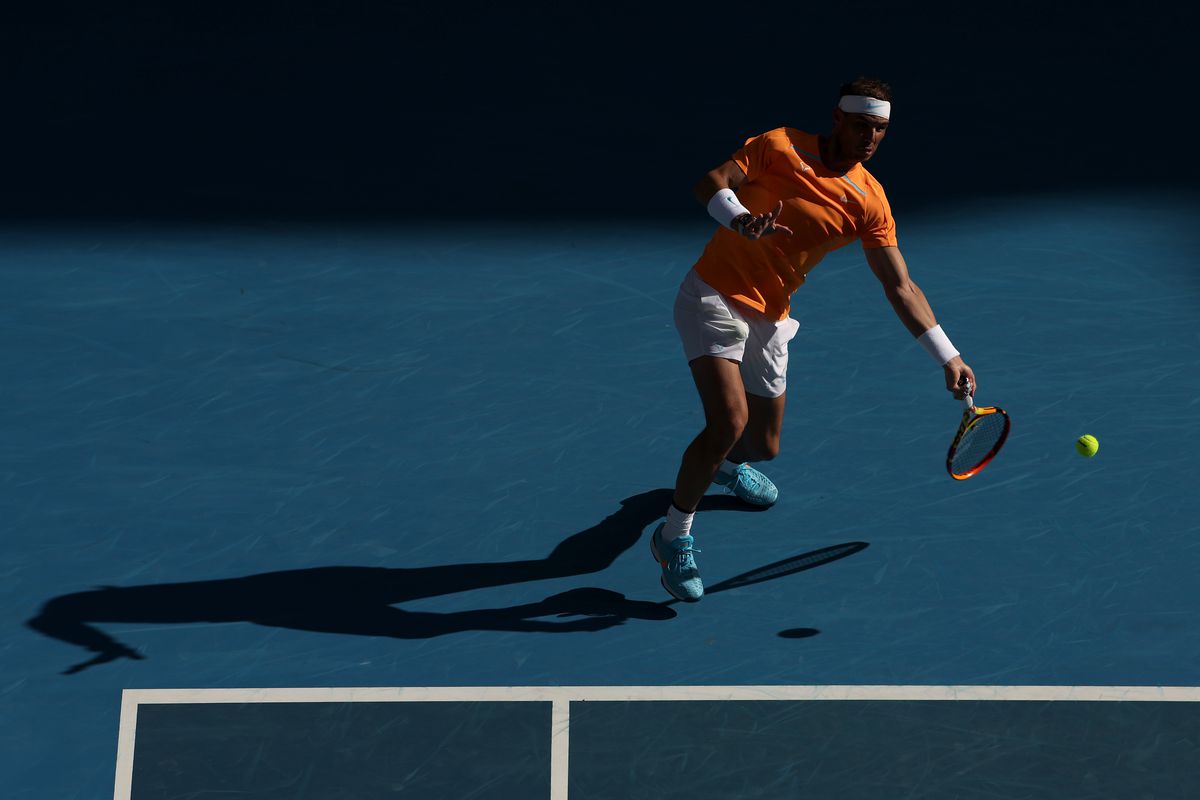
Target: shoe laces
{"x":751,"y":478}
{"x":682,"y":558}
{"x":730,"y":482}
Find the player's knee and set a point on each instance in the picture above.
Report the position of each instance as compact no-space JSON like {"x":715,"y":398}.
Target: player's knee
{"x":762,"y":447}
{"x":768,"y":448}
{"x":727,"y":429}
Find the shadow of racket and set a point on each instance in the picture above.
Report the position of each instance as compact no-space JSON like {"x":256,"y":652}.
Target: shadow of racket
{"x":781,"y":569}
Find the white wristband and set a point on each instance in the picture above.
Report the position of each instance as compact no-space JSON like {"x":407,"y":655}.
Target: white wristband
{"x":937,"y":344}
{"x":725,"y":208}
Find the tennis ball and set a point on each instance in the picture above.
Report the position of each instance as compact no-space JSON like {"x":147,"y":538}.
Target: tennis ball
{"x":1087,"y":446}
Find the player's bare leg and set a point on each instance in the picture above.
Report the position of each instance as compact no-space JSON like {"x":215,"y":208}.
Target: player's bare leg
{"x":759,"y":442}
{"x":726,"y":414}
{"x":760,"y":439}
{"x":723,"y":396}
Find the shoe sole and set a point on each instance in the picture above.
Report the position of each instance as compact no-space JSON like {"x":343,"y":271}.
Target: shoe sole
{"x":757,"y":503}
{"x":663,"y":578}
{"x":666,"y":586}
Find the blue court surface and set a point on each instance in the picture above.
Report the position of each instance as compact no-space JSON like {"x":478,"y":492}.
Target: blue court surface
{"x":354,"y":511}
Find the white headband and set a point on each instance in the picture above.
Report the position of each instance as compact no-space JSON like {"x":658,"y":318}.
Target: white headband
{"x":860,"y":104}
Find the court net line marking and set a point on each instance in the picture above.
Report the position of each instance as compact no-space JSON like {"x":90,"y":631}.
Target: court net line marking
{"x":561,"y":697}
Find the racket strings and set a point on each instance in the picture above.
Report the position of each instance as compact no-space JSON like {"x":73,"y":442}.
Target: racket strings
{"x":978,"y":442}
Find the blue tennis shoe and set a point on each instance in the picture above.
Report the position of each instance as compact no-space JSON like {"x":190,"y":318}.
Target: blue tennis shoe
{"x":749,"y":485}
{"x":680,"y":575}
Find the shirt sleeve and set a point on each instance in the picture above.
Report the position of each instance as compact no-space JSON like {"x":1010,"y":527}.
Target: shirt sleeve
{"x":755,"y":155}
{"x":880,"y":227}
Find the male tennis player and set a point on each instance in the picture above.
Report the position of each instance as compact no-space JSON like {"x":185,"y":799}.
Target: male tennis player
{"x":782,"y":201}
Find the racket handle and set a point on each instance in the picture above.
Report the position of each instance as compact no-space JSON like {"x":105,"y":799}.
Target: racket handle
{"x":967,"y":401}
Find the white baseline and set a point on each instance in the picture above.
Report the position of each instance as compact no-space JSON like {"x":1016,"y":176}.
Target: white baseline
{"x":562,"y":696}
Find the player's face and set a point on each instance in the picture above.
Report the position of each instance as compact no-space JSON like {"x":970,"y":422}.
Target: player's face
{"x":858,"y":135}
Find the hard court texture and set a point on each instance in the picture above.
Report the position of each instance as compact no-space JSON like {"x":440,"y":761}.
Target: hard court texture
{"x":296,"y":456}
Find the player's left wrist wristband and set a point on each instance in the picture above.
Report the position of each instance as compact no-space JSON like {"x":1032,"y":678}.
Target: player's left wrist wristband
{"x":725,"y":208}
{"x":938,"y":345}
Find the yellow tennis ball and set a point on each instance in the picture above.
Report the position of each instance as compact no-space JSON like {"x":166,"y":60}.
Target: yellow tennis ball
{"x":1087,"y":446}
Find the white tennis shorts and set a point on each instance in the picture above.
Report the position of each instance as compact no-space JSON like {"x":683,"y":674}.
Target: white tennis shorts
{"x":711,"y":324}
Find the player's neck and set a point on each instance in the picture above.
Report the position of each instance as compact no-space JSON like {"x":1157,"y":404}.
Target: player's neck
{"x":834,"y":160}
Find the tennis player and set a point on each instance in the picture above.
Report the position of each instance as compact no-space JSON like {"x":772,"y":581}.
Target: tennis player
{"x":783,"y":201}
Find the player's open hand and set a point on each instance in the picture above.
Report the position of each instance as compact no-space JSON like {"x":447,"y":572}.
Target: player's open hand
{"x":764,"y":224}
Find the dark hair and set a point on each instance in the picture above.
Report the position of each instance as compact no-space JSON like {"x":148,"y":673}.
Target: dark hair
{"x":869,"y":87}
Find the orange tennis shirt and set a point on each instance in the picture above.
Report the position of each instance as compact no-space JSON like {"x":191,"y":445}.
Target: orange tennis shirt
{"x":824,"y":210}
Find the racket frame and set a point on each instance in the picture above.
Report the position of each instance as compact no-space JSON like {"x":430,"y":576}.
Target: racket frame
{"x":971,"y":415}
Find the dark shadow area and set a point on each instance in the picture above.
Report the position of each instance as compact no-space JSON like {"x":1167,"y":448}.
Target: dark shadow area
{"x":798,"y":633}
{"x":784,"y":567}
{"x":789,"y":566}
{"x":416,"y":110}
{"x":781,"y":569}
{"x":360,"y":600}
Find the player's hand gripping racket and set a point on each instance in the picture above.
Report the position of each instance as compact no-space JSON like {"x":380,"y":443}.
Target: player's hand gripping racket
{"x":980,"y":437}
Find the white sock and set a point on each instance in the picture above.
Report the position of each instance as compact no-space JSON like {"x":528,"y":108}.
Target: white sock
{"x":728,"y":468}
{"x":679,"y":523}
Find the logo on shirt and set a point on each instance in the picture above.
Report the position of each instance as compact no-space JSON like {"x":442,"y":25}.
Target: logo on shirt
{"x":845,"y":199}
{"x":803,"y":167}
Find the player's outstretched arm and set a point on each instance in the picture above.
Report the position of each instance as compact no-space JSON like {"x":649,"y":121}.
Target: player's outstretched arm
{"x":727,"y":176}
{"x":913,"y":309}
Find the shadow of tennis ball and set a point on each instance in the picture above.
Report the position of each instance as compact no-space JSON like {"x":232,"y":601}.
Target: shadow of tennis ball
{"x":797,"y":633}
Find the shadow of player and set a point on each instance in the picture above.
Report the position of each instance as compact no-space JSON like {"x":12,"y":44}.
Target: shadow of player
{"x":361,"y":600}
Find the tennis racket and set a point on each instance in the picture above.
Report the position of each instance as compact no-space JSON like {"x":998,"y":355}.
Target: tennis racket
{"x":980,"y":436}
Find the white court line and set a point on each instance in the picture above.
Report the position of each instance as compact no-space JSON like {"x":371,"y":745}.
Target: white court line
{"x":434,"y":694}
{"x":560,"y":748}
{"x":125,"y":740}
{"x":562,"y":696}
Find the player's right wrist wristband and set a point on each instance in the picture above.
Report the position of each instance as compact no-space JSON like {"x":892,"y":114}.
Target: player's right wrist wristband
{"x":724,"y":207}
{"x":938,"y":345}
